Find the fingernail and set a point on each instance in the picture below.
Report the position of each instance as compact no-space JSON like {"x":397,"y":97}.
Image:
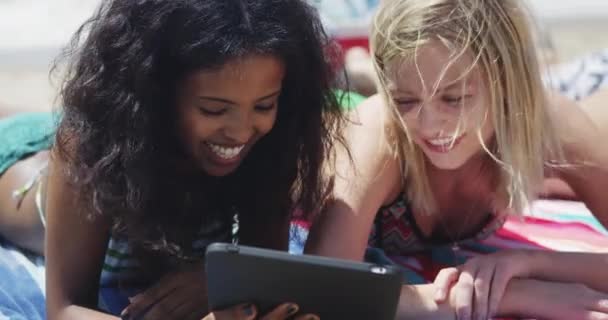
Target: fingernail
{"x":464,"y":316}
{"x":248,"y":310}
{"x":292,"y":309}
{"x":124,"y":315}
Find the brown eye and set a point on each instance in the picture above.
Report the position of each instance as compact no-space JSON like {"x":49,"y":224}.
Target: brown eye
{"x":265,"y":108}
{"x":211,"y":113}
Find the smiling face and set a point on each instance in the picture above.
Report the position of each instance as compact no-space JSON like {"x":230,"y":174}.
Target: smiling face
{"x":443,"y":109}
{"x":223,"y":112}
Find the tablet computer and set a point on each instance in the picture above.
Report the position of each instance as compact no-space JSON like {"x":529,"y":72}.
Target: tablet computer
{"x":329,"y":288}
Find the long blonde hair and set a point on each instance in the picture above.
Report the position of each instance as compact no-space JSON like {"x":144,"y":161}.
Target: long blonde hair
{"x":498,"y":34}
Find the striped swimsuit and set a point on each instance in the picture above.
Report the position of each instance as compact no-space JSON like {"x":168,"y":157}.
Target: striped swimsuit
{"x":121,"y":277}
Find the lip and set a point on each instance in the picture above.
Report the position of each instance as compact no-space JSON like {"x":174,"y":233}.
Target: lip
{"x":445,"y":148}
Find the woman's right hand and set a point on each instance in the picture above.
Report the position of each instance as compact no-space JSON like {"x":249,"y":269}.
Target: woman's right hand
{"x":250,"y":312}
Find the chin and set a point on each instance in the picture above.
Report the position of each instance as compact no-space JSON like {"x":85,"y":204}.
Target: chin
{"x":219,"y":172}
{"x":445,"y":164}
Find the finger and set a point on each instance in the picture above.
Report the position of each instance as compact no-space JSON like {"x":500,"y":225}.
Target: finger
{"x":482,"y":285}
{"x":595,"y":315}
{"x":499,"y":285}
{"x":155,"y":312}
{"x":600,"y":304}
{"x":443,"y":283}
{"x":145,"y":300}
{"x":281,"y":312}
{"x":465,"y":291}
{"x":171,"y":307}
{"x":239,"y":312}
{"x":190,"y":309}
{"x":308,"y":317}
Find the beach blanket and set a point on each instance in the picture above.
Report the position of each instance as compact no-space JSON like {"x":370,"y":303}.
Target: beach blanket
{"x":21,"y":284}
{"x":548,"y":225}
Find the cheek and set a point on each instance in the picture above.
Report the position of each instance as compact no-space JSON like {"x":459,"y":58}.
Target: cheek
{"x":265,"y":123}
{"x":195,"y":128}
{"x":410,"y":119}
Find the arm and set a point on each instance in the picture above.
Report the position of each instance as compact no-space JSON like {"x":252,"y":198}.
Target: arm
{"x":523,"y":298}
{"x":588,"y":269}
{"x":583,"y":132}
{"x":361,"y":187}
{"x":75,"y":248}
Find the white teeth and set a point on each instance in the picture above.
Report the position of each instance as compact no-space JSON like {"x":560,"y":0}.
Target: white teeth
{"x":441,"y":142}
{"x":225,"y":152}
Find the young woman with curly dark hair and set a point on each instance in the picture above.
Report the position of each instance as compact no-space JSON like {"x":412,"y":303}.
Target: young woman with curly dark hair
{"x":184,"y":122}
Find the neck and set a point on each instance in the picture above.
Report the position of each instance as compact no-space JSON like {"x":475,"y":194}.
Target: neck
{"x":476,"y":180}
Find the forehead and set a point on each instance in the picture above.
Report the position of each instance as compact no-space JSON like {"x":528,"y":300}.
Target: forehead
{"x":247,"y":73}
{"x":433,"y":66}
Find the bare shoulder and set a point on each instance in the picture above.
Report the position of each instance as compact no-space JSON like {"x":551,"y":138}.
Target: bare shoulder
{"x":579,"y":129}
{"x":366,"y":133}
{"x":372,"y":165}
{"x":370,"y":114}
{"x":596,"y":107}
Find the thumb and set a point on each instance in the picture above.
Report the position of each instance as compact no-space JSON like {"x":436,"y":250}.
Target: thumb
{"x":245,"y":311}
{"x":443,"y":283}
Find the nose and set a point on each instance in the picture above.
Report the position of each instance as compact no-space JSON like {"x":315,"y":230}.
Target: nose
{"x":239,"y":128}
{"x":430,"y":120}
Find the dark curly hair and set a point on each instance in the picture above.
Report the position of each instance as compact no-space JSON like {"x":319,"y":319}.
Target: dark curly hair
{"x":118,"y":129}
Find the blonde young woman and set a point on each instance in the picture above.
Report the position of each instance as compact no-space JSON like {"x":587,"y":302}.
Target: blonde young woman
{"x":462,"y":135}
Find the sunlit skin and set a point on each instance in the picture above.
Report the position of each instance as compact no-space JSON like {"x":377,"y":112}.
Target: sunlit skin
{"x":222,"y":113}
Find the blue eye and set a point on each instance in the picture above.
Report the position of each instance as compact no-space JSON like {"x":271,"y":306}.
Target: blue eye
{"x":455,"y":101}
{"x":406,"y":104}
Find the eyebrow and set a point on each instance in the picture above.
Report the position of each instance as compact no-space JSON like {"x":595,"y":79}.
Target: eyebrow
{"x":452,"y":85}
{"x":276,"y":93}
{"x":441,"y":89}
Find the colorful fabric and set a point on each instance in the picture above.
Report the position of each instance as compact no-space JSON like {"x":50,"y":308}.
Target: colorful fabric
{"x":21,"y":284}
{"x":121,"y":276}
{"x":548,"y":225}
{"x":23,"y":135}
{"x":349,"y":100}
{"x":395,"y":230}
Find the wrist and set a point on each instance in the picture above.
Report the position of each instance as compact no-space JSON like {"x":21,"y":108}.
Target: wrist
{"x":518,"y":298}
{"x":535,"y":263}
{"x":417,"y":302}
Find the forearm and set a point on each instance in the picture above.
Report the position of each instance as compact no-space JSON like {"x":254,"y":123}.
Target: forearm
{"x":74,"y":312}
{"x":416,"y":302}
{"x":584,"y":268}
{"x":519,"y":299}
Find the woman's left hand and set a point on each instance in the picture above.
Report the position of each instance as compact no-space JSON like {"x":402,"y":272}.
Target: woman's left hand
{"x":178,"y":295}
{"x":481,"y":282}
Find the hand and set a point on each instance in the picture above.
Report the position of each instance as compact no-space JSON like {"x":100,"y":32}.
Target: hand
{"x":249,"y":312}
{"x":178,"y":295}
{"x":480,"y":283}
{"x":554,"y":300}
